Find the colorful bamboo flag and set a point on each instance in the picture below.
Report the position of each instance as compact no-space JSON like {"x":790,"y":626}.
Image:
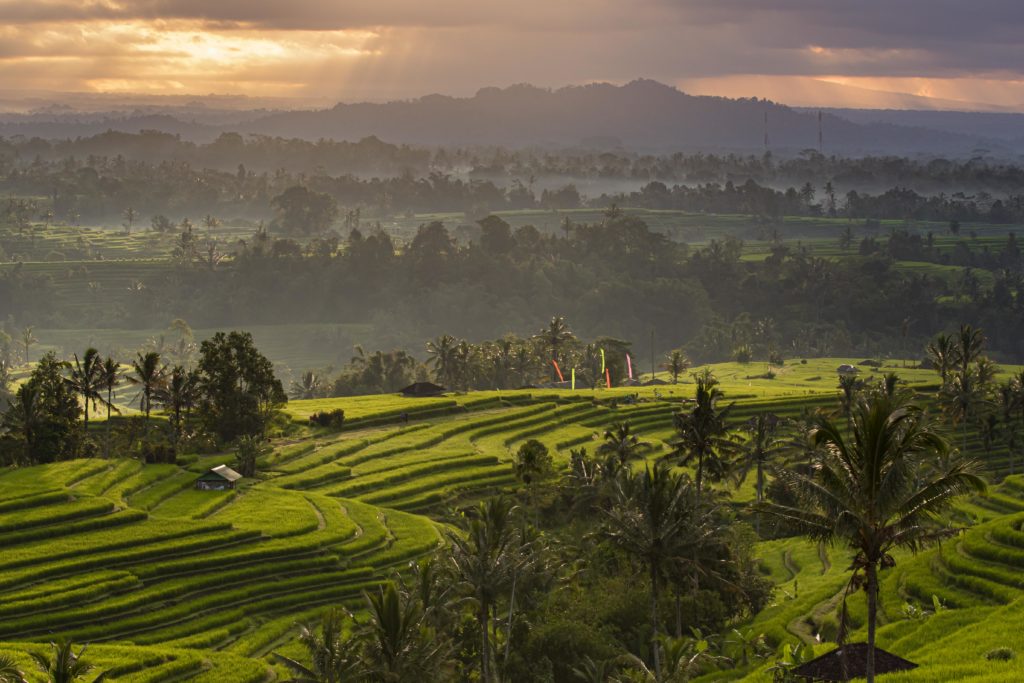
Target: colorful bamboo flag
{"x":558,"y":370}
{"x":629,"y":366}
{"x":608,"y":377}
{"x":602,"y":362}
{"x":574,"y":379}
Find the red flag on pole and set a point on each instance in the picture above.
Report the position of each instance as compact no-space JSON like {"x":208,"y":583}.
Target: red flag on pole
{"x":558,"y":370}
{"x":608,"y":377}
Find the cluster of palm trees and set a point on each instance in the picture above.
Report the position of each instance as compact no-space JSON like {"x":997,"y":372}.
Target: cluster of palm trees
{"x":412,"y":622}
{"x":969,"y":394}
{"x":95,"y":379}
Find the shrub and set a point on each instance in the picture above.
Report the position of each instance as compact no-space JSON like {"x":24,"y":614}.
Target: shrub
{"x":1000,"y":654}
{"x":332,"y":419}
{"x":743,"y":353}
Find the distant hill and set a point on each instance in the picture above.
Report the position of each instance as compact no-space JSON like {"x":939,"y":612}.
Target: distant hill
{"x":643,"y":115}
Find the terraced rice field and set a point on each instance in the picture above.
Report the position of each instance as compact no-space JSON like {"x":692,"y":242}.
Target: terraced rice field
{"x":171,"y":583}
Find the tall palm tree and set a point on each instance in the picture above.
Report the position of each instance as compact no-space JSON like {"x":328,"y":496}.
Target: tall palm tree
{"x":483,"y":559}
{"x":758,"y":452}
{"x":704,"y":434}
{"x":148,"y":375}
{"x":648,"y":522}
{"x":64,"y":666}
{"x":863,"y":492}
{"x":110,"y":379}
{"x":969,"y":343}
{"x":25,"y":416}
{"x":333,"y":653}
{"x":441,"y":354}
{"x":622,"y":444}
{"x":87,"y":380}
{"x":397,"y":649}
{"x":849,"y":385}
{"x":942,"y":352}
{"x":178,"y":395}
{"x":27,"y":340}
{"x":554,"y":337}
{"x":962,"y":398}
{"x":1007,"y":401}
{"x":676,"y":363}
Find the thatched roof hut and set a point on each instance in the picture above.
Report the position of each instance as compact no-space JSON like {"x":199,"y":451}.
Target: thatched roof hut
{"x":848,"y":662}
{"x":423,"y":390}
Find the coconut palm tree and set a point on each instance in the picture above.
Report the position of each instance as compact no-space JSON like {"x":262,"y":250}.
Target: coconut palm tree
{"x":621,"y":444}
{"x":676,"y":363}
{"x":64,"y":666}
{"x":87,"y":380}
{"x":962,"y":398}
{"x":441,"y":354}
{"x":309,"y":386}
{"x":758,"y":452}
{"x":27,"y":340}
{"x":969,"y":343}
{"x":148,"y":375}
{"x":863,"y":492}
{"x":1007,"y":401}
{"x":554,"y":338}
{"x":178,"y":395}
{"x":648,"y":521}
{"x":334,"y":654}
{"x":483,"y":559}
{"x":704,"y":437}
{"x":110,"y":379}
{"x":942,"y":352}
{"x":396,"y":647}
{"x":25,"y":416}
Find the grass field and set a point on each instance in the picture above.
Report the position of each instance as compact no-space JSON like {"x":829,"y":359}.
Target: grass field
{"x":171,"y":583}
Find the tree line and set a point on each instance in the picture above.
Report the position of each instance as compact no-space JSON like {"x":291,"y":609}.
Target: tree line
{"x":230,"y":395}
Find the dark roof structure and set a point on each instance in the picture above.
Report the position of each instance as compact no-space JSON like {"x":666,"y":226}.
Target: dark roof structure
{"x":423,"y":390}
{"x":656,"y":382}
{"x":222,"y":472}
{"x":831,"y":666}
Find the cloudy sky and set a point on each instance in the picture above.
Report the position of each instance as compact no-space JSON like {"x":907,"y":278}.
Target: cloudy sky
{"x":963,"y":53}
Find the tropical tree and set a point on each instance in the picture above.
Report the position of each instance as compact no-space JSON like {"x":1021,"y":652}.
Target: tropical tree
{"x":87,"y":380}
{"x":969,"y":343}
{"x":148,"y":374}
{"x":942,"y":352}
{"x":676,"y":363}
{"x":483,"y":558}
{"x":248,"y":450}
{"x":554,"y":338}
{"x":703,"y":431}
{"x":962,"y":398}
{"x":396,"y":646}
{"x":64,"y":666}
{"x":849,"y":386}
{"x":110,"y":378}
{"x":333,"y":653}
{"x":27,"y":340}
{"x":308,"y":386}
{"x":863,"y":492}
{"x":757,"y":453}
{"x":441,"y":353}
{"x":648,"y":522}
{"x":178,"y":394}
{"x":621,"y":444}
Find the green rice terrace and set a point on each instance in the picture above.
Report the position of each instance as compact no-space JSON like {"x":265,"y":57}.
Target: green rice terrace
{"x":170,"y":583}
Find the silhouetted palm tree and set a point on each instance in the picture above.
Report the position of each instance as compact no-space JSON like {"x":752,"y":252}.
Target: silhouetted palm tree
{"x":704,"y":437}
{"x":863,"y":492}
{"x":648,"y":522}
{"x":483,"y":559}
{"x":676,"y":363}
{"x":333,"y":653}
{"x":622,"y":444}
{"x":943,"y":354}
{"x":554,"y":337}
{"x":87,"y":380}
{"x":149,"y":376}
{"x":110,"y":379}
{"x":761,"y":448}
